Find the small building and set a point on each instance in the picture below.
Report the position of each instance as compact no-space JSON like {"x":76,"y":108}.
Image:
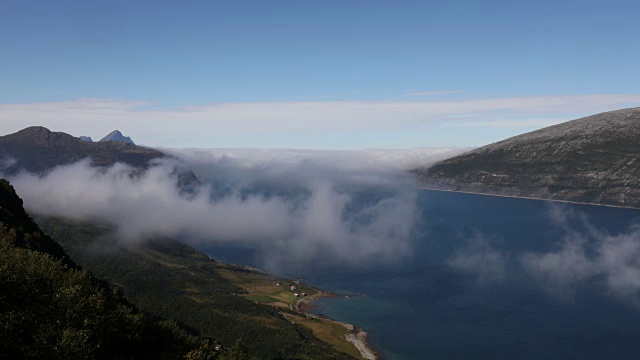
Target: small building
{"x":293,"y":287}
{"x":296,"y":294}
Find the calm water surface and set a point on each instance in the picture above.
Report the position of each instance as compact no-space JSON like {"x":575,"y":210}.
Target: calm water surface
{"x":497,"y":278}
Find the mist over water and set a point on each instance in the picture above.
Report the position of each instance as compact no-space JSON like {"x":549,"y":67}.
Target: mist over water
{"x":497,"y":278}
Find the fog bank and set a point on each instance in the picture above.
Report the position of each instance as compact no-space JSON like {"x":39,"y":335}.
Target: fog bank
{"x":350,"y":208}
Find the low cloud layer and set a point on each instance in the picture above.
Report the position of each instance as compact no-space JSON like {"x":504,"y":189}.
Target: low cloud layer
{"x":310,"y":207}
{"x":321,"y":207}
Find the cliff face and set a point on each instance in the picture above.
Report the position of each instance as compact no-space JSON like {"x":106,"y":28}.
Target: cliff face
{"x":595,"y":159}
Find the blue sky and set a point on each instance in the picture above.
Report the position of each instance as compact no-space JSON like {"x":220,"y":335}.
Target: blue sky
{"x":314,"y":74}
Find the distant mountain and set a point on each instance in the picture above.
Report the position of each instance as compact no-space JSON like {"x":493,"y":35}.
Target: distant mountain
{"x":595,"y":159}
{"x":116,"y":135}
{"x":37,"y":149}
{"x":85,"y":138}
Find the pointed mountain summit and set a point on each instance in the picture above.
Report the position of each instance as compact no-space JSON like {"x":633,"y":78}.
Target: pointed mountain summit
{"x":37,"y":149}
{"x":595,"y":159}
{"x":116,"y":135}
{"x":86,"y":138}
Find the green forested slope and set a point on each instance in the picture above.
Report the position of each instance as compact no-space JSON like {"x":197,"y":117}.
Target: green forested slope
{"x":51,"y":309}
{"x":173,"y":280}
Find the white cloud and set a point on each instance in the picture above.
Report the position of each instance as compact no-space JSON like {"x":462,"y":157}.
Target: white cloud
{"x":525,"y":123}
{"x":96,"y":117}
{"x":400,"y":159}
{"x":309,"y":206}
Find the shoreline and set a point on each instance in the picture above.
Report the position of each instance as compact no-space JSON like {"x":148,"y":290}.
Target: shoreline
{"x":355,"y":335}
{"x":527,"y":198}
{"x":272,"y":291}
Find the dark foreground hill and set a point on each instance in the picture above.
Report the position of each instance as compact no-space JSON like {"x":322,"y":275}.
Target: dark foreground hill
{"x":51,"y":309}
{"x":595,"y":159}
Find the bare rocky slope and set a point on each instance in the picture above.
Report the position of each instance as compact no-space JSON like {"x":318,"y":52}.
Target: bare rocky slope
{"x":595,"y":159}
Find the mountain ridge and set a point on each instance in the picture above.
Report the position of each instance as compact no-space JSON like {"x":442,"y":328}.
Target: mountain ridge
{"x":594,"y":159}
{"x":37,"y":149}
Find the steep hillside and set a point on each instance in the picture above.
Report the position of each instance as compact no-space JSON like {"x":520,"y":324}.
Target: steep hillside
{"x":592,"y":160}
{"x":174,"y":281}
{"x":50,"y":309}
{"x":26,"y":234}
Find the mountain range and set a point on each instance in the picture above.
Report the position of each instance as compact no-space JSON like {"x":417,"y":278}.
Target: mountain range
{"x":595,"y":159}
{"x":37,"y":149}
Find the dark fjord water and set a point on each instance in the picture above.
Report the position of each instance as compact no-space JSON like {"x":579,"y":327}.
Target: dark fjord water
{"x":497,"y":278}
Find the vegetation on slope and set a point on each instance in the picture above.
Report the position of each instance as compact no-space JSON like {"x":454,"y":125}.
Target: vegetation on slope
{"x":174,"y":281}
{"x":269,"y":290}
{"x":50,"y":309}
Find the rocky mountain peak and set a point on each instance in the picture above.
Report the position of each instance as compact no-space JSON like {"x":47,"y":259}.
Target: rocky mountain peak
{"x":116,"y":135}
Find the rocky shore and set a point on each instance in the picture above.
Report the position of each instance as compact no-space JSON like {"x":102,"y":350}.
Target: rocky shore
{"x":359,"y":339}
{"x":355,"y":335}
